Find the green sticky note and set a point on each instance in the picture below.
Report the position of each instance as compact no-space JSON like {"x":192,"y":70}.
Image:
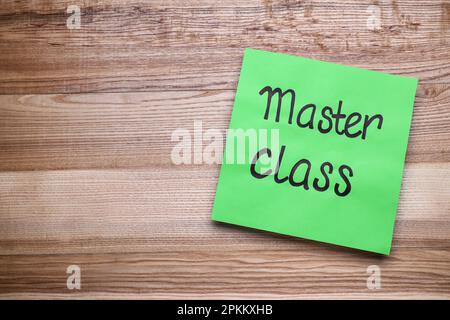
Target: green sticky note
{"x":316,"y":150}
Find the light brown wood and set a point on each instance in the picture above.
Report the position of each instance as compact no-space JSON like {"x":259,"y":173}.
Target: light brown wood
{"x":133,"y":210}
{"x":125,"y":130}
{"x":173,"y":44}
{"x":206,"y":273}
{"x":86,"y":118}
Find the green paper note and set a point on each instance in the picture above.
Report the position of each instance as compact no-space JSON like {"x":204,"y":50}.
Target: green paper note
{"x":334,"y":174}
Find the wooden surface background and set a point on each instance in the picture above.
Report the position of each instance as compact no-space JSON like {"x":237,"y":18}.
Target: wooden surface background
{"x":86,"y":118}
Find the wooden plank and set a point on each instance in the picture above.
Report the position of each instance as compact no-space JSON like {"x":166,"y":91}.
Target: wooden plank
{"x":92,"y":211}
{"x":130,"y":130}
{"x":87,"y":178}
{"x":198,"y":45}
{"x":147,"y":234}
{"x":233,"y":273}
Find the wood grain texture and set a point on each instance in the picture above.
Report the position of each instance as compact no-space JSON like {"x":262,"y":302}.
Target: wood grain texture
{"x":86,"y":118}
{"x":191,"y":45}
{"x":147,"y":233}
{"x":205,"y":273}
{"x":124,"y":130}
{"x":90,"y":211}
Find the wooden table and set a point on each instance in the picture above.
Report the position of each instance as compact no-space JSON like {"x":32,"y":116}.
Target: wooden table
{"x":86,"y":120}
